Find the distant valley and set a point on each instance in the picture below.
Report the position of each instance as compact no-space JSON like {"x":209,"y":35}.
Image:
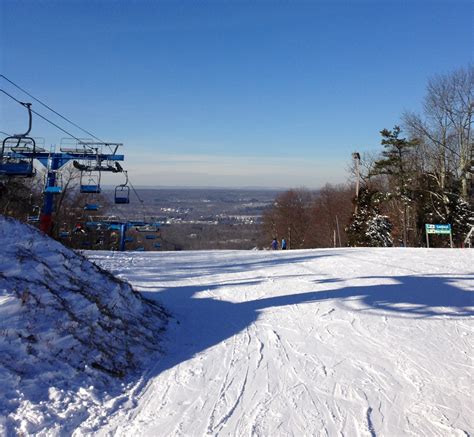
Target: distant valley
{"x":199,"y":218}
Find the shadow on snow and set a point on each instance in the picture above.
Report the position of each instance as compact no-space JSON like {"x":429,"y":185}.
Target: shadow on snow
{"x":206,"y":321}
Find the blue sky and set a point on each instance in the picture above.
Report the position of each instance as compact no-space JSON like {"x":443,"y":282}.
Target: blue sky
{"x":231,"y":93}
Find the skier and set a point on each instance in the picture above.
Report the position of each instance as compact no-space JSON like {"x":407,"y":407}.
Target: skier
{"x":275,"y":244}
{"x":78,"y":229}
{"x":283,"y":244}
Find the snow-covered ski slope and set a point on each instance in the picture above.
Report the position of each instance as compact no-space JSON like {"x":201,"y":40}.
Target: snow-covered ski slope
{"x":353,"y":342}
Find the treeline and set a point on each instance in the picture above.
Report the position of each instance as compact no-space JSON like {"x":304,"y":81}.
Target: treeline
{"x":423,"y":174}
{"x":307,"y":219}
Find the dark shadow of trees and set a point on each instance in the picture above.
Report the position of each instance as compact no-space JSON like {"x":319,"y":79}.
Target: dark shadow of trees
{"x":207,"y":321}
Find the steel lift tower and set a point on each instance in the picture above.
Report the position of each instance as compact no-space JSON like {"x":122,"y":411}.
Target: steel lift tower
{"x":19,"y":151}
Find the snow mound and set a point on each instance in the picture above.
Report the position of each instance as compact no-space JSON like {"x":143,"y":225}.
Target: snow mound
{"x":70,"y":333}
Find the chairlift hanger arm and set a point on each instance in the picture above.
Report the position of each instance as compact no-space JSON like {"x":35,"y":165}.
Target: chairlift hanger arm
{"x":25,"y":105}
{"x":30,"y":120}
{"x":39,"y":115}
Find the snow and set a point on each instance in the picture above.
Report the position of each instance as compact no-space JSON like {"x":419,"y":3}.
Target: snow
{"x":316,"y":342}
{"x":68,"y":331}
{"x":359,"y":342}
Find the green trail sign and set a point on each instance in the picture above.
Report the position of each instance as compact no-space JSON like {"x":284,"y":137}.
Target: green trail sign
{"x":438,"y":229}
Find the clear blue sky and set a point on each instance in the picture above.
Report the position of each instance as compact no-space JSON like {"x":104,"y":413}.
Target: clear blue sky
{"x":231,"y":93}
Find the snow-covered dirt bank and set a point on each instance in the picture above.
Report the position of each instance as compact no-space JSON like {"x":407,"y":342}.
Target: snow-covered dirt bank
{"x":321,"y":342}
{"x":71,"y":336}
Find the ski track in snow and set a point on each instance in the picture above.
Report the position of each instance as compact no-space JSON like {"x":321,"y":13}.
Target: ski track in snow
{"x":353,"y":342}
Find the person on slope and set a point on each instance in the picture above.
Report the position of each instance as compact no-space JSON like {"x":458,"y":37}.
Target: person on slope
{"x":275,"y":244}
{"x":283,"y":244}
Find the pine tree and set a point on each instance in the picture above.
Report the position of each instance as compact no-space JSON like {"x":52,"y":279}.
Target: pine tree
{"x":396,"y":164}
{"x":379,"y":231}
{"x":461,"y":217}
{"x":368,"y":227}
{"x":442,"y":206}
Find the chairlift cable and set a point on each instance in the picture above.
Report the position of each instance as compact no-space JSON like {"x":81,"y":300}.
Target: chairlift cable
{"x":135,"y":191}
{"x":14,"y":98}
{"x":43,"y":117}
{"x":51,"y":109}
{"x":4,"y":133}
{"x":59,"y":127}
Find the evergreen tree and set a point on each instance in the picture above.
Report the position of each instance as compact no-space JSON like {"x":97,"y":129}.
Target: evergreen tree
{"x":369,"y":227}
{"x":460,"y":216}
{"x":442,"y":206}
{"x":396,"y":164}
{"x":379,"y":231}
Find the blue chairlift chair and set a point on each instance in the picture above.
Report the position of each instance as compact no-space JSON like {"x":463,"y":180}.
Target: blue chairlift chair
{"x":18,"y":152}
{"x":122,"y":191}
{"x":53,"y":190}
{"x":122,"y":194}
{"x":16,"y":157}
{"x":57,"y":187}
{"x":91,"y":207}
{"x":90,"y":184}
{"x":90,"y":189}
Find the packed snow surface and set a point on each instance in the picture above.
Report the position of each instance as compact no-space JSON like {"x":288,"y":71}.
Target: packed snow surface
{"x":337,"y":342}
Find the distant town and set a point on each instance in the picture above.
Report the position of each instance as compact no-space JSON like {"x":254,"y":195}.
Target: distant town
{"x":199,"y":218}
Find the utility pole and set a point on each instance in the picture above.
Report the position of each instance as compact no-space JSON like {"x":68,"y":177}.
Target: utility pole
{"x":338,"y":232}
{"x":356,"y":158}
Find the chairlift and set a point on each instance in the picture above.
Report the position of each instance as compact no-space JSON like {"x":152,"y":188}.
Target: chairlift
{"x":63,"y":234}
{"x":18,"y":152}
{"x":90,"y":183}
{"x":129,"y":240}
{"x":122,"y":192}
{"x":57,"y":187}
{"x":16,"y":157}
{"x":157,"y":245}
{"x":53,"y":190}
{"x":150,"y":237}
{"x":91,"y":207}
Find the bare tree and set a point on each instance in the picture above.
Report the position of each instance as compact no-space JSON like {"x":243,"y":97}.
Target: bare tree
{"x":330,"y":215}
{"x":444,"y":131}
{"x":289,"y":218}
